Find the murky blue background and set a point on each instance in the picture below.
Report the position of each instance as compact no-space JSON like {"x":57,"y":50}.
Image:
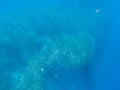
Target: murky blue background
{"x":24,"y":23}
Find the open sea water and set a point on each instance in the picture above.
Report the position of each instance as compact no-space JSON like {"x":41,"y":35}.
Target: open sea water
{"x":59,"y":45}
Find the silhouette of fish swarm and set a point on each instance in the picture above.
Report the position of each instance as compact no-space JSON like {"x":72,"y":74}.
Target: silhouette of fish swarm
{"x":67,"y":51}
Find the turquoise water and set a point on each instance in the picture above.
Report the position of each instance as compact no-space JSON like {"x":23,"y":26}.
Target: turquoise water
{"x":58,"y":45}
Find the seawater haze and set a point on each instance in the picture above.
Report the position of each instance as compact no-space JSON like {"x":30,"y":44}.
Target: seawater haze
{"x":59,"y":45}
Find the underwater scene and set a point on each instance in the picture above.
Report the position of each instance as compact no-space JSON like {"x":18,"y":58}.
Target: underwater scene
{"x":59,"y":45}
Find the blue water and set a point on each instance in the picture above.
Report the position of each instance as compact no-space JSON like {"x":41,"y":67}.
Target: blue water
{"x":59,"y":45}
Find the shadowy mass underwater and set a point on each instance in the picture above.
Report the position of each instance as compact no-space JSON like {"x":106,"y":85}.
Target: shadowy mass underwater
{"x":39,"y":37}
{"x":68,"y":51}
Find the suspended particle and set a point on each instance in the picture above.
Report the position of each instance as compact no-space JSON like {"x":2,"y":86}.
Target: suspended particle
{"x":97,"y":10}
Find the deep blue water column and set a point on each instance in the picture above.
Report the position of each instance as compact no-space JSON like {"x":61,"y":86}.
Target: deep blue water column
{"x":107,"y":71}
